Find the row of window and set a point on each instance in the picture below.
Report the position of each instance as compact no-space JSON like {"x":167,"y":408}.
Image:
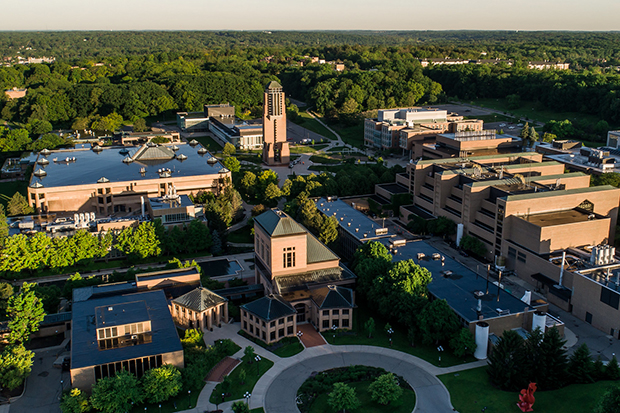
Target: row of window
{"x":136,"y":366}
{"x":288,"y":257}
{"x":345,"y":311}
{"x":111,"y":332}
{"x":273,"y":323}
{"x":182,"y":217}
{"x":336,"y":323}
{"x":272,"y":335}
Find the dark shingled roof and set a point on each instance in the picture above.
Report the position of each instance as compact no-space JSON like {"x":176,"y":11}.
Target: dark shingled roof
{"x":333,"y":296}
{"x":200,"y":299}
{"x":269,"y":308}
{"x":276,"y":223}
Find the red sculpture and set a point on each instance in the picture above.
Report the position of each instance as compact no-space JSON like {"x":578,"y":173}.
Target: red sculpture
{"x":526,"y":398}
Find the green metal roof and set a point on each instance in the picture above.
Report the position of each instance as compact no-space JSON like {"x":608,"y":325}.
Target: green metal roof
{"x":508,"y":181}
{"x":548,"y":194}
{"x":318,"y":252}
{"x":530,"y":165}
{"x":274,"y":85}
{"x":270,"y":308}
{"x":200,"y":299}
{"x":276,"y":223}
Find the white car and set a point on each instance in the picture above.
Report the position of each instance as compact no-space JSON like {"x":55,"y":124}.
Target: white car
{"x":511,"y":127}
{"x":519,"y":124}
{"x":501,"y":125}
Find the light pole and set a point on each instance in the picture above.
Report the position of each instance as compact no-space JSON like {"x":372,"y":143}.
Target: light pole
{"x":223,"y":397}
{"x":61,"y":389}
{"x":189,"y":399}
{"x":439,"y":349}
{"x":160,"y":408}
{"x":257,"y":358}
{"x":247,"y":396}
{"x":334,"y":333}
{"x":390,"y":331}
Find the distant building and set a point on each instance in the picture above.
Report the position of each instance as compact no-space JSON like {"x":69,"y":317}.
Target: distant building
{"x":544,"y":65}
{"x":613,"y":139}
{"x":275,"y":145}
{"x":140,"y":138}
{"x":192,"y":121}
{"x":15,"y":93}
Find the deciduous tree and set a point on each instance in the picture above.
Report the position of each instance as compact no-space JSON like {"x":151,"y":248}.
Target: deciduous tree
{"x":343,"y":398}
{"x":161,"y":383}
{"x":385,"y":389}
{"x":25,"y":311}
{"x":116,"y":394}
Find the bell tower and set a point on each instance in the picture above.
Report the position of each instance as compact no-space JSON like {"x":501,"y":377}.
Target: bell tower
{"x":275,"y":146}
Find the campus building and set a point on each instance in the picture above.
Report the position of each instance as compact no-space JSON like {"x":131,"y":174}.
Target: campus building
{"x":106,"y":181}
{"x":275,"y":146}
{"x":299,"y":274}
{"x":406,"y":127}
{"x":115,"y":328}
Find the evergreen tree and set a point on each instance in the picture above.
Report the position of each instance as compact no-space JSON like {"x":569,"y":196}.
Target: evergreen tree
{"x":532,"y":364}
{"x":598,"y":370}
{"x":553,"y":360}
{"x":610,"y":402}
{"x":18,"y":205}
{"x":580,"y":366}
{"x":612,"y":371}
{"x":216,"y":246}
{"x":4,"y":226}
{"x":463,"y":343}
{"x":505,"y":362}
{"x":369,"y":326}
{"x":533,"y":134}
{"x":329,"y":231}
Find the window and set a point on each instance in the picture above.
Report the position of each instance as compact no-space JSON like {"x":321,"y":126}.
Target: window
{"x":290,"y":319}
{"x":336,"y":323}
{"x":251,"y":317}
{"x":281,"y":333}
{"x":588,"y":318}
{"x":289,"y":330}
{"x":325,"y":323}
{"x":245,"y":325}
{"x":251,"y":329}
{"x":521,"y":257}
{"x":272,"y":335}
{"x":512,"y":253}
{"x":263,"y":335}
{"x":288,"y":257}
{"x":345,"y":311}
{"x":182,"y":217}
{"x":609,"y":297}
{"x":335,"y":312}
{"x":345,"y":323}
{"x":281,"y":321}
{"x":326,"y":313}
{"x":272,"y":324}
{"x":263,"y":324}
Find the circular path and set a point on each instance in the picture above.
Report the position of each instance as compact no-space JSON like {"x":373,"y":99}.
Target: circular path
{"x":431,"y":395}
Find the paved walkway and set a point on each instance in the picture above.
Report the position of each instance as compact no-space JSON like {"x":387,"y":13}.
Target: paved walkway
{"x":277,"y":388}
{"x":310,"y":337}
{"x":223,"y":368}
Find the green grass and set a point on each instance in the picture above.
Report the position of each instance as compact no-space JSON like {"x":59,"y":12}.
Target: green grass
{"x":405,"y":404}
{"x":289,"y":350}
{"x":352,"y":135}
{"x":307,"y":148}
{"x":8,"y":189}
{"x":249,"y":158}
{"x":237,"y":390}
{"x":381,"y":339}
{"x":536,"y":111}
{"x":324,"y":160}
{"x":181,"y":401}
{"x":241,"y":236}
{"x":257,"y":410}
{"x":493,"y":118}
{"x":470,"y":391}
{"x":306,"y":121}
{"x":209,"y":143}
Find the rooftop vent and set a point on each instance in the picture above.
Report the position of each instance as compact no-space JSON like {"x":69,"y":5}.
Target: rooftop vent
{"x":212,"y":160}
{"x":478,"y":294}
{"x":102,"y":180}
{"x":181,"y":157}
{"x":43,"y":161}
{"x":175,"y":148}
{"x":202,"y":151}
{"x":45,"y":152}
{"x":500,"y":312}
{"x":128,"y":159}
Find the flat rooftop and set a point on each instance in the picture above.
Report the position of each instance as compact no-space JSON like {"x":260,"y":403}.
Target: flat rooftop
{"x":163,"y":203}
{"x":89,"y":166}
{"x":394,"y":188}
{"x":351,"y":220}
{"x":121,"y":314}
{"x":549,"y":219}
{"x":459,"y":286}
{"x":84,"y":347}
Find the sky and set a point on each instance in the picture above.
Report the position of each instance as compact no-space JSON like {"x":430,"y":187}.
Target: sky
{"x":311,"y":15}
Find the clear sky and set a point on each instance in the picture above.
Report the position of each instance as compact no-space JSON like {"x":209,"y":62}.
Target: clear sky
{"x":311,"y":15}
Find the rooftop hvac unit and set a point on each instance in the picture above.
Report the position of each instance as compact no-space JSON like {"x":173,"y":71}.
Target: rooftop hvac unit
{"x":502,"y":312}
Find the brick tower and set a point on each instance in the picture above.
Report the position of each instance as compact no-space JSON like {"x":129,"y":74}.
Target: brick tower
{"x":275,"y":146}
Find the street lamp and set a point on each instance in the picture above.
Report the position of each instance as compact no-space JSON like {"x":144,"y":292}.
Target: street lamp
{"x":247,"y":396}
{"x":439,"y":349}
{"x":189,"y":399}
{"x":390,"y":331}
{"x":299,"y":334}
{"x":334,"y":331}
{"x":223,"y":396}
{"x":257,"y":358}
{"x":160,"y":408}
{"x":61,"y":389}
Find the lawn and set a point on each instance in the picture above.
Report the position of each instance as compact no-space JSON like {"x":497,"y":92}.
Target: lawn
{"x":253,"y":372}
{"x":352,"y":135}
{"x":357,"y":336}
{"x":324,"y":160}
{"x":470,"y":392}
{"x":286,"y":347}
{"x":405,"y":404}
{"x":306,"y":121}
{"x":8,"y":189}
{"x":536,"y":111}
{"x":307,"y":148}
{"x":242,"y":236}
{"x":208,"y":142}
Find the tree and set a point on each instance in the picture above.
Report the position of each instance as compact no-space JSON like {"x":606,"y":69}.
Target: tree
{"x":4,"y":226}
{"x":385,"y":389}
{"x":438,"y":322}
{"x":6,"y":292}
{"x":612,"y":371}
{"x":15,"y":365}
{"x":343,"y":398}
{"x":74,"y":402}
{"x":25,"y":311}
{"x":18,"y":205}
{"x":141,"y":242}
{"x":329,"y":231}
{"x":533,"y":134}
{"x":242,"y":377}
{"x":248,"y":352}
{"x":369,"y":326}
{"x":272,"y":193}
{"x":505,"y":362}
{"x":610,"y":401}
{"x":580,"y":366}
{"x":229,"y":149}
{"x":232,"y":164}
{"x":216,"y":246}
{"x":161,"y":383}
{"x":553,"y":360}
{"x":240,"y":407}
{"x":473,"y":245}
{"x":116,"y":394}
{"x":548,"y":137}
{"x":463,"y":343}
